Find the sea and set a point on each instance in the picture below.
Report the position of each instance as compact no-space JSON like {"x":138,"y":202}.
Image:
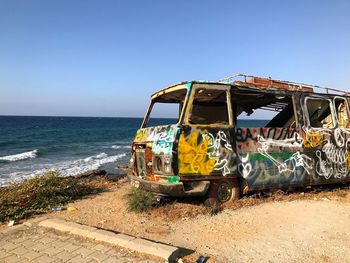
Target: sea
{"x":30,"y":146}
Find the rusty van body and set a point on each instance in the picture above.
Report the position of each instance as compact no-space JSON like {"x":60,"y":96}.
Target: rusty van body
{"x":206,"y":153}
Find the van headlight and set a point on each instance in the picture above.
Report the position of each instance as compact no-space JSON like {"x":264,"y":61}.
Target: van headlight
{"x":158,"y":163}
{"x":162,"y":164}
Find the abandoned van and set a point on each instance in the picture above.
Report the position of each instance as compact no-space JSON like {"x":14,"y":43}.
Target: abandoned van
{"x":208,"y":151}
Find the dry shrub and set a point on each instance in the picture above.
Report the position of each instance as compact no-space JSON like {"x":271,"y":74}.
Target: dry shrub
{"x":140,"y":200}
{"x":39,"y":194}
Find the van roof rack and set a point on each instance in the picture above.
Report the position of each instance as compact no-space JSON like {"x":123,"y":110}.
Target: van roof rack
{"x":268,"y":83}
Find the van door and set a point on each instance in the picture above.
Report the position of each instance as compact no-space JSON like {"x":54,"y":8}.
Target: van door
{"x":326,"y":137}
{"x":205,"y":145}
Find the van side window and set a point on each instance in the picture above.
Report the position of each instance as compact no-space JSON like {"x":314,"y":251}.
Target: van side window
{"x":262,"y":109}
{"x":209,"y":107}
{"x":319,"y":113}
{"x":342,"y":110}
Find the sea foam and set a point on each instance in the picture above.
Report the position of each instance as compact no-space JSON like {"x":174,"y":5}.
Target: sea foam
{"x":66,"y":168}
{"x":121,"y":147}
{"x":20,"y":156}
{"x":79,"y":166}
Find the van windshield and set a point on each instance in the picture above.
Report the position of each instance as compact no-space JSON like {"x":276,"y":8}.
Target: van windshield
{"x":166,"y":109}
{"x":209,"y":106}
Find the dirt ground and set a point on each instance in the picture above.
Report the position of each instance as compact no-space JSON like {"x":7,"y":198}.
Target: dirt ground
{"x":310,"y":226}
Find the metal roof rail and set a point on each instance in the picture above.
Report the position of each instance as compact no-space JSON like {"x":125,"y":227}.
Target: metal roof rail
{"x":280,"y":84}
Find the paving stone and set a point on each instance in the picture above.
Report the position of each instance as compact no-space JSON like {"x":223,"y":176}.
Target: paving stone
{"x":78,"y":259}
{"x":19,"y":240}
{"x":52,"y":251}
{"x":44,"y":259}
{"x":20,"y":251}
{"x":11,"y":259}
{"x":99,"y":256}
{"x":31,"y":255}
{"x":58,"y":243}
{"x":36,"y":237}
{"x":47,"y":240}
{"x":39,"y":247}
{"x":3,"y":242}
{"x":113,"y":260}
{"x":29,"y":243}
{"x":10,"y":246}
{"x":89,"y":245}
{"x":85,"y":252}
{"x":70,"y":247}
{"x":4,"y":254}
{"x":65,"y":255}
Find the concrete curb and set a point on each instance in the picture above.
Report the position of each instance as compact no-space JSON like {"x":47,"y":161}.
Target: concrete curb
{"x":164,"y":251}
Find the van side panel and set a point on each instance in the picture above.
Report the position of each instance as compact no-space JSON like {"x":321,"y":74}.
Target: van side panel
{"x":272,"y":157}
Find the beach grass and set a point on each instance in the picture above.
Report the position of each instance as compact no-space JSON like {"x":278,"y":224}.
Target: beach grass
{"x":40,"y":194}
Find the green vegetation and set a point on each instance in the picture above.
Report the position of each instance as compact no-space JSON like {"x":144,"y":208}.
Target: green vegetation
{"x":40,"y":194}
{"x":140,"y":200}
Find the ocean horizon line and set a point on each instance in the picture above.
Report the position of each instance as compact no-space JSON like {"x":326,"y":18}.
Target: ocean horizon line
{"x":103,"y":117}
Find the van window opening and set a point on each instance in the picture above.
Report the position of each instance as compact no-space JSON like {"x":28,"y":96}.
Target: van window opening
{"x":209,"y":106}
{"x":166,"y":109}
{"x":263,"y":110}
{"x":319,"y":113}
{"x":342,"y":111}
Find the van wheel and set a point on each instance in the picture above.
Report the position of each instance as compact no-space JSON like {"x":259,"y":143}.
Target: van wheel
{"x":222,"y":191}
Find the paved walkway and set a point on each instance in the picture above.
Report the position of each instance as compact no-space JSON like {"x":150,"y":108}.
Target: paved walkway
{"x":35,"y":244}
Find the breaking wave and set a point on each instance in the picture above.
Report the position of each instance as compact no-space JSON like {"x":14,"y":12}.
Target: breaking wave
{"x":67,"y":168}
{"x":84,"y":165}
{"x":20,"y":156}
{"x":121,"y":147}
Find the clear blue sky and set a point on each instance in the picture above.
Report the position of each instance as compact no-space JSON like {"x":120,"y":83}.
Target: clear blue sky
{"x":105,"y":58}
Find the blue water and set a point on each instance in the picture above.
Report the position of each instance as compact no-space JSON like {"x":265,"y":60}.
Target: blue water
{"x":70,"y":145}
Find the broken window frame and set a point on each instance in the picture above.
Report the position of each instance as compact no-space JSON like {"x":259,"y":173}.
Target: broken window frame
{"x":346,"y":108}
{"x":270,"y":108}
{"x":331,"y":107}
{"x":157,"y":95}
{"x":208,"y":86}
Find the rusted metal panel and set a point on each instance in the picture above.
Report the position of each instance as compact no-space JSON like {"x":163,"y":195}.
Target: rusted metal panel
{"x":265,"y":83}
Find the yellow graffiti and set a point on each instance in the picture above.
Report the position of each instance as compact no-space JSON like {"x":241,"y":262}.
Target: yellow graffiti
{"x":193,"y":154}
{"x":347,"y":156}
{"x":312,"y":139}
{"x":141,"y":136}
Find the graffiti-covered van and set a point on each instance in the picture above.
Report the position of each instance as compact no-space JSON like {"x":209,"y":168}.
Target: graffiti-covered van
{"x":209,"y":148}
